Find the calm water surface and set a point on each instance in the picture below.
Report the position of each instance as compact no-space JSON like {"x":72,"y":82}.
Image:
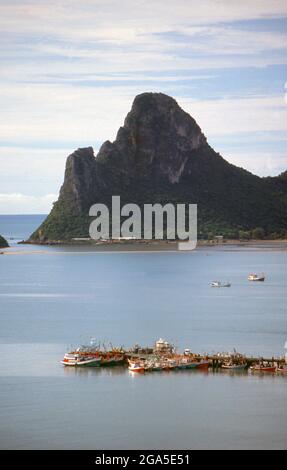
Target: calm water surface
{"x":65,"y":296}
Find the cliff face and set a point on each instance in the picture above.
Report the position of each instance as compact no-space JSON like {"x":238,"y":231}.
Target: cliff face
{"x":161,"y":155}
{"x":80,"y":178}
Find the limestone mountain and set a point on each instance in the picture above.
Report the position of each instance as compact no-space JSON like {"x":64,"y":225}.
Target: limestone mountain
{"x":161,"y":155}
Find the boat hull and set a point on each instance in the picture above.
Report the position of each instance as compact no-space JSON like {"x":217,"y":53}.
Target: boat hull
{"x":234,"y":367}
{"x":136,"y":369}
{"x":256,"y":278}
{"x":112,"y":361}
{"x":263,"y":369}
{"x":188,"y":365}
{"x":202,"y":365}
{"x":218,"y":284}
{"x":88,"y":363}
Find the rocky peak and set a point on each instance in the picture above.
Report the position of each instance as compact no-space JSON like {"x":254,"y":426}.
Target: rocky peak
{"x":160,"y":112}
{"x":158,"y":137}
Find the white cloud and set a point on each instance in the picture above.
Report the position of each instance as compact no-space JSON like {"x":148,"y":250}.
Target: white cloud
{"x":17,"y":203}
{"x":226,"y":40}
{"x":112,"y":36}
{"x":52,"y":52}
{"x":237,"y":116}
{"x":112,"y":19}
{"x":62,"y":113}
{"x":260,"y":163}
{"x":26,"y":170}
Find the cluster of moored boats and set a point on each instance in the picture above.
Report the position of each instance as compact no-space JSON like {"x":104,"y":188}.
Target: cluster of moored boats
{"x":257,"y":367}
{"x":164,"y":357}
{"x":251,"y":277}
{"x":182,"y":362}
{"x":158,"y":363}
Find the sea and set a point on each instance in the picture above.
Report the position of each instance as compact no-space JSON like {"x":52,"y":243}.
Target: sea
{"x":55,"y":298}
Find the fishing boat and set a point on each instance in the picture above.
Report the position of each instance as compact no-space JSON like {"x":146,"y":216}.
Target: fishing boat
{"x":171,"y":364}
{"x":232,"y":366}
{"x":111,"y":359}
{"x":186,"y":363}
{"x":282,"y":368}
{"x":202,"y":364}
{"x":263,"y":368}
{"x":256,"y":277}
{"x":220,"y":284}
{"x":153,"y":365}
{"x":77,"y":360}
{"x":165,"y":365}
{"x":136,"y":366}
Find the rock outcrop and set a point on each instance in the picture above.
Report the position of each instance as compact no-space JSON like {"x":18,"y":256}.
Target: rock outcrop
{"x":3,"y":242}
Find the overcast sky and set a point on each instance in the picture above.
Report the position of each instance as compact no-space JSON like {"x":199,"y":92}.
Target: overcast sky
{"x":69,"y":71}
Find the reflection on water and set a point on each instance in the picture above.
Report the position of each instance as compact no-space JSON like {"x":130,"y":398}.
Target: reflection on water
{"x":94,"y":371}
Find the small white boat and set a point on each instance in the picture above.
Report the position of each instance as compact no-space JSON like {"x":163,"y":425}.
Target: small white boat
{"x":256,"y":277}
{"x":220,"y":284}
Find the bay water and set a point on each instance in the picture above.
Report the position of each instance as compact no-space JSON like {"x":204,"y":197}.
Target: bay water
{"x":54,"y":298}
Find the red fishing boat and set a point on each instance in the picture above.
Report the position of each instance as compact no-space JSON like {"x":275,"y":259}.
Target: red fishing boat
{"x":263,"y":368}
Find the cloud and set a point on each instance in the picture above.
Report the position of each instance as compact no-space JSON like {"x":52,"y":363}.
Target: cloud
{"x":70,"y":71}
{"x":237,"y":116}
{"x":111,"y":19}
{"x":62,"y":113}
{"x":113,"y":37}
{"x":32,"y":170}
{"x":17,"y":203}
{"x":88,"y":115}
{"x":260,"y":163}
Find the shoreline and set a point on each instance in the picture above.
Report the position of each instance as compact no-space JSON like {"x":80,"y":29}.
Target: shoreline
{"x":142,"y":246}
{"x":91,"y":242}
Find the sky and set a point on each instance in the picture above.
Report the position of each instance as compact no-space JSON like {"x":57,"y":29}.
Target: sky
{"x":69,"y":71}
